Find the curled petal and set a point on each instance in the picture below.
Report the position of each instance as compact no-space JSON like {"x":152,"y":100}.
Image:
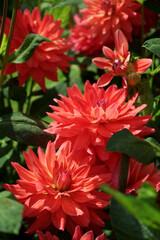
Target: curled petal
{"x":142,"y":65}
{"x":104,"y":80}
{"x":121,"y":43}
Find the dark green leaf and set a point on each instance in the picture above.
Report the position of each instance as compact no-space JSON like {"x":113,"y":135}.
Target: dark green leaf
{"x":126,"y":227}
{"x":153,"y":45}
{"x":25,"y":129}
{"x":26,"y":50}
{"x":153,"y":6}
{"x":10,"y":216}
{"x":124,"y":141}
{"x":5,"y":154}
{"x":45,"y":100}
{"x":143,"y":207}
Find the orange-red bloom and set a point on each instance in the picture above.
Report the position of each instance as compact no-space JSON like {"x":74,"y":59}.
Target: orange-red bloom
{"x":48,"y":56}
{"x":77,"y":235}
{"x":137,"y":174}
{"x":91,"y":119}
{"x":118,"y":63}
{"x":57,"y":190}
{"x":102,"y":18}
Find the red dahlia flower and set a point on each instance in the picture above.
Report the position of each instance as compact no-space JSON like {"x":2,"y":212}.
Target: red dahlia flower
{"x":77,"y":235}
{"x":118,"y":63}
{"x":48,"y":56}
{"x":91,"y":119}
{"x":137,"y":174}
{"x":57,"y":190}
{"x":100,"y":20}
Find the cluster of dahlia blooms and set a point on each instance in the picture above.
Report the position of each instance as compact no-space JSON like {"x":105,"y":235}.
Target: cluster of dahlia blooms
{"x":102,"y":18}
{"x":60,"y":188}
{"x":48,"y":56}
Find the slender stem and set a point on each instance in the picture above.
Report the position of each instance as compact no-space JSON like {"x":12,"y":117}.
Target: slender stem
{"x":39,"y":4}
{"x":5,"y":7}
{"x":29,"y":97}
{"x":123,"y":173}
{"x":15,"y":8}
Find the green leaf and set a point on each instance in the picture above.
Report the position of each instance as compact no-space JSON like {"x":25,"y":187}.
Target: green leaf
{"x":153,"y":45}
{"x":143,"y":207}
{"x":25,"y":129}
{"x":5,"y":154}
{"x":10,"y":216}
{"x":62,"y":13}
{"x":126,"y":227}
{"x":45,"y":100}
{"x":141,"y":150}
{"x":5,"y":194}
{"x":26,"y":50}
{"x":3,"y":45}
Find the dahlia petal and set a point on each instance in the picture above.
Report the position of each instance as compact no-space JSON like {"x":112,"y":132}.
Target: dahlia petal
{"x":28,"y":186}
{"x":36,"y":16}
{"x":79,"y":144}
{"x":34,"y":205}
{"x":10,"y":68}
{"x":30,"y":158}
{"x":82,"y":220}
{"x":59,"y":219}
{"x":142,"y":65}
{"x":96,"y":219}
{"x":70,"y":207}
{"x":38,"y":76}
{"x":52,"y":204}
{"x":102,"y":130}
{"x":50,"y":153}
{"x":23,"y":173}
{"x":108,"y":53}
{"x":42,"y":221}
{"x":121,"y":43}
{"x":82,"y":171}
{"x":102,"y":63}
{"x":82,"y":197}
{"x":16,"y":190}
{"x":77,"y":233}
{"x":104,"y":80}
{"x":22,"y":79}
{"x":90,"y":184}
{"x":128,"y":105}
{"x":112,"y":111}
{"x":88,"y":236}
{"x":101,"y":237}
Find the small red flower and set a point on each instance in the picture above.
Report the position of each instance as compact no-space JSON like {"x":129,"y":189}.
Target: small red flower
{"x":91,"y":119}
{"x":48,"y":56}
{"x":57,"y":190}
{"x":117,"y":63}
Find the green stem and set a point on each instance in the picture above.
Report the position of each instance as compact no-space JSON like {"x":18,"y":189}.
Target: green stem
{"x":5,"y":7}
{"x":15,"y":8}
{"x":29,"y":97}
{"x":123,"y":173}
{"x":39,"y":4}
